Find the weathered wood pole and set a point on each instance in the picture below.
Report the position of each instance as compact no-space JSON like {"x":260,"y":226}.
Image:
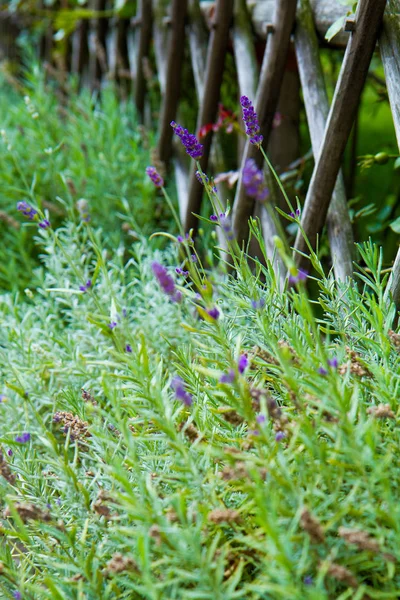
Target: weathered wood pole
{"x":80,"y":54}
{"x":341,"y":116}
{"x":144,"y":22}
{"x":389,"y":44}
{"x":317,"y":108}
{"x":265,"y":104}
{"x":99,"y":56}
{"x":176,"y":49}
{"x":209,"y":105}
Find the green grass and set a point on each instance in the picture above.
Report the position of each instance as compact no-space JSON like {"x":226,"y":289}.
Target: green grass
{"x":123,"y":491}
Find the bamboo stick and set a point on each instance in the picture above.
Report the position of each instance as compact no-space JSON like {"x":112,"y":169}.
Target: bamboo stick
{"x":144,"y":23}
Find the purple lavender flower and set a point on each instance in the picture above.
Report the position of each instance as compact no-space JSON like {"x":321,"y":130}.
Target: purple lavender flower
{"x":23,"y":438}
{"x":45,"y":224}
{"x":308,"y":580}
{"x":155,"y":177}
{"x":189,"y":141}
{"x":180,"y":239}
{"x":128,"y":348}
{"x":166,"y":282}
{"x":2,"y":397}
{"x":243,"y":363}
{"x":213,"y":218}
{"x":322,"y":371}
{"x":213,"y":313}
{"x":112,"y":325}
{"x":301,"y":276}
{"x":280,"y":436}
{"x":226,"y":224}
{"x":251,"y":121}
{"x":27,"y":210}
{"x":253,"y":181}
{"x":295,"y":214}
{"x":84,"y":288}
{"x":228,"y":377}
{"x":10,"y":452}
{"x":17,"y":595}
{"x":193,"y":258}
{"x":203,"y":179}
{"x":258,"y":304}
{"x":261,"y":419}
{"x":181,"y":394}
{"x":333,"y":362}
{"x":180,"y":271}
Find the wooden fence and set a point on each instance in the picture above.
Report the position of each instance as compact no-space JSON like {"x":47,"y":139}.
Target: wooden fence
{"x":107,"y":45}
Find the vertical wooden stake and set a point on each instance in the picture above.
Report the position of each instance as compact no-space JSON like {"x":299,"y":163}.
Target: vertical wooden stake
{"x":317,"y":108}
{"x":340,"y":120}
{"x":144,"y":23}
{"x":170,"y":101}
{"x":209,"y":106}
{"x":266,"y":102}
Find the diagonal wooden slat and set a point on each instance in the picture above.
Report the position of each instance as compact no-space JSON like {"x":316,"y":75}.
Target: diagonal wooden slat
{"x":266,"y":102}
{"x":144,"y":23}
{"x":176,"y":49}
{"x":209,"y":106}
{"x":389,"y":44}
{"x":316,"y":102}
{"x":340,"y":120}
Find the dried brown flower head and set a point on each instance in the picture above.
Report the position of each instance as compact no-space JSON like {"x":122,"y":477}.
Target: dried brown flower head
{"x":394,"y":338}
{"x":28,"y":511}
{"x":101,"y":504}
{"x":224,"y":515}
{"x":231,"y":415}
{"x":78,"y":428}
{"x":342,"y":574}
{"x":382,"y":411}
{"x":5,"y":470}
{"x":312,"y":526}
{"x":359,"y":538}
{"x":354,"y":364}
{"x":120,"y":563}
{"x":189,"y":430}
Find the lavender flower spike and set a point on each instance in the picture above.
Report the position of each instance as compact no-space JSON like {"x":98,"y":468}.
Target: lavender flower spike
{"x":23,"y":438}
{"x":27,"y":210}
{"x":253,"y":181}
{"x":189,"y":141}
{"x":243,"y":363}
{"x":155,"y":177}
{"x":226,"y":224}
{"x":166,"y":282}
{"x":250,"y":120}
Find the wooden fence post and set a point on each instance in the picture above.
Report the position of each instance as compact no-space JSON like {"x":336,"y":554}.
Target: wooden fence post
{"x":389,"y":44}
{"x":176,"y":49}
{"x":98,"y":50}
{"x":209,"y":105}
{"x":144,"y":22}
{"x":341,"y":116}
{"x":317,"y":108}
{"x":266,"y":102}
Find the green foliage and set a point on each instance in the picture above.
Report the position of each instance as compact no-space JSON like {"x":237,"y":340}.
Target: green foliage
{"x":55,"y":152}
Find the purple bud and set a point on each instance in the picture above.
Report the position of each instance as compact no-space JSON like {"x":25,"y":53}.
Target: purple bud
{"x":213,"y":218}
{"x":23,"y":438}
{"x":166,"y":282}
{"x":261,"y":419}
{"x":155,"y":177}
{"x":2,"y":397}
{"x":308,"y":580}
{"x":17,"y":595}
{"x":257,"y":304}
{"x":228,"y":377}
{"x":193,"y":258}
{"x":280,"y":436}
{"x":322,"y":371}
{"x":10,"y":452}
{"x":112,"y":325}
{"x":213,"y":313}
{"x":333,"y":362}
{"x":44,"y":224}
{"x":179,"y":239}
{"x":128,"y":348}
{"x":181,"y":394}
{"x":243,"y":363}
{"x":301,"y":276}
